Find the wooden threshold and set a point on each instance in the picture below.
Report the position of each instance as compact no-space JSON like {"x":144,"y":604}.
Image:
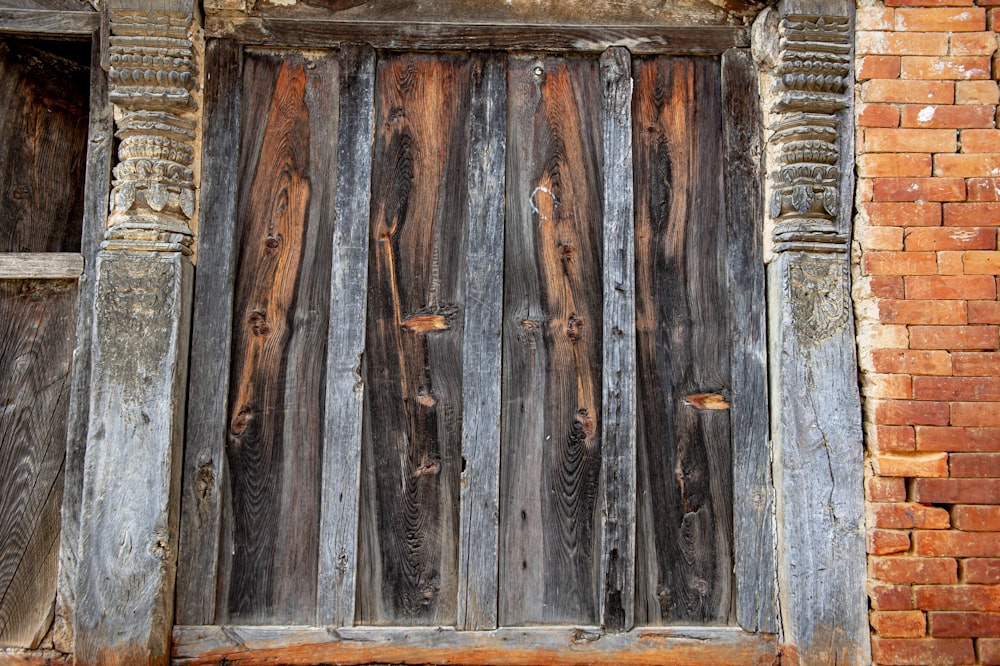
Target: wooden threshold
{"x":465,"y":36}
{"x":513,"y":646}
{"x":41,"y":265}
{"x":48,"y":22}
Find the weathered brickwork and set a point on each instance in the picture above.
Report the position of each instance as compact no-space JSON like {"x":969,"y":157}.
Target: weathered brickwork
{"x":928,"y":166}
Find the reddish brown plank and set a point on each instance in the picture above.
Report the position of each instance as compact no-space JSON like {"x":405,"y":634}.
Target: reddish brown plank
{"x":411,"y":450}
{"x":684,"y":532}
{"x":551,"y":451}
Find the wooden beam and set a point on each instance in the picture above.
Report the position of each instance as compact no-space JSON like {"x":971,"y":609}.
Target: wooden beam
{"x":45,"y":22}
{"x":41,"y":265}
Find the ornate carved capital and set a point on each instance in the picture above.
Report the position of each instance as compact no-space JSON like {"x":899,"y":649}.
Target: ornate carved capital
{"x":811,"y":82}
{"x":153,"y":75}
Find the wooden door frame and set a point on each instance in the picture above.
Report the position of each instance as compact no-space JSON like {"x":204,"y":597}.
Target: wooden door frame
{"x":815,"y":418}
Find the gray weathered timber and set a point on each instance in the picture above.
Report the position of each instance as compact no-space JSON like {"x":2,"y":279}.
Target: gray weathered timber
{"x":41,"y":265}
{"x":521,"y":646}
{"x":204,"y":476}
{"x":36,"y":22}
{"x":618,"y":412}
{"x":481,"y":348}
{"x":125,"y":579}
{"x":463,"y":37}
{"x":338,"y":554}
{"x":95,"y":215}
{"x":51,"y":5}
{"x":753,"y":493}
{"x":36,"y":347}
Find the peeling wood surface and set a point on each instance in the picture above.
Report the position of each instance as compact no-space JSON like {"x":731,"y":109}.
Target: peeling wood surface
{"x":411,"y":451}
{"x":684,"y":531}
{"x":280,"y":322}
{"x":551,"y":457}
{"x":36,"y":347}
{"x":542,"y":646}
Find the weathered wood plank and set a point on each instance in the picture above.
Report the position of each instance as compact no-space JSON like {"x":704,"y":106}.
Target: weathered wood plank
{"x":52,"y":5}
{"x":41,"y":265}
{"x":618,"y":417}
{"x":684,"y":538}
{"x":753,"y":493}
{"x":551,"y":458}
{"x":31,"y":22}
{"x":338,"y":555}
{"x":542,"y":646}
{"x":43,"y":119}
{"x":95,"y":212}
{"x":438,"y":36}
{"x":481,"y":347}
{"x":36,"y":348}
{"x":204,"y":475}
{"x":280,"y":322}
{"x":413,"y":401}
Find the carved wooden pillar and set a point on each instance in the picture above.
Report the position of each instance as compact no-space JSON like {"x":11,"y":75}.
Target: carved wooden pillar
{"x":816,"y":410}
{"x":128,"y":542}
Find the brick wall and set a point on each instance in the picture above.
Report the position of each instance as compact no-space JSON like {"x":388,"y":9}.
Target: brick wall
{"x":928,"y":168}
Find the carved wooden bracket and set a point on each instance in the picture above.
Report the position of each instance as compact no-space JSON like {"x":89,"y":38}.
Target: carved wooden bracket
{"x":153,"y":73}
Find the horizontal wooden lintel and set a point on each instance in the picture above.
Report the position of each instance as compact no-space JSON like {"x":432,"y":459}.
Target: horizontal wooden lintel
{"x":711,"y":40}
{"x":49,"y":22}
{"x":40,"y":265}
{"x":516,"y":646}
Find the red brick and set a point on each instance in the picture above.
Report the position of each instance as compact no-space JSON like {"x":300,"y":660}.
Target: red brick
{"x":898,"y":624}
{"x":922,"y":651}
{"x":966,"y":389}
{"x":989,"y":648}
{"x":878,"y":115}
{"x":894,"y":91}
{"x":877,"y":67}
{"x":978,"y":214}
{"x":940,"y":312}
{"x":910,"y":140}
{"x":892,"y":438}
{"x":900,"y":263}
{"x":944,"y":67}
{"x":975,"y":465}
{"x":954,"y":337}
{"x":973,"y":43}
{"x":888,"y":239}
{"x":918,"y":189}
{"x":977,"y":519}
{"x":908,"y":515}
{"x":900,"y":214}
{"x":875,"y":18}
{"x":976,"y":364}
{"x":953,"y":238}
{"x":984,"y":189}
{"x":957,"y":597}
{"x":910,"y":412}
{"x":957,"y":491}
{"x":963,"y":165}
{"x":929,"y":3}
{"x":923,"y":464}
{"x":956,"y":625}
{"x":984,"y":312}
{"x":894,"y":165}
{"x":982,"y":263}
{"x":887,"y":286}
{"x":982,"y":570}
{"x":885,"y":542}
{"x":930,"y":438}
{"x":951,"y":262}
{"x":932,"y":116}
{"x":885,"y":43}
{"x":941,"y":20}
{"x":908,"y":569}
{"x":883,"y":489}
{"x":977,"y":92}
{"x":890,"y":597}
{"x":948,"y":287}
{"x":979,"y":140}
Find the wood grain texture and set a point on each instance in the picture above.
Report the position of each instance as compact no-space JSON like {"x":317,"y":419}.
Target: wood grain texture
{"x":204,"y":477}
{"x":36,"y":347}
{"x":412,"y":445}
{"x":43,"y":117}
{"x":618,"y":419}
{"x":543,"y":646}
{"x":41,"y":265}
{"x":481,"y":346}
{"x":51,"y":5}
{"x":55,"y":23}
{"x":684,"y":531}
{"x":338,"y":555}
{"x":551,"y":458}
{"x":280,"y":322}
{"x":753,"y":493}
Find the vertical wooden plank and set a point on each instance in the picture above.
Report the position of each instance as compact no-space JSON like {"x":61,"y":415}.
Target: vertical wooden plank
{"x":412,"y":447}
{"x":618,"y":435}
{"x":338,"y":555}
{"x":481,"y":348}
{"x":36,"y":349}
{"x":753,"y":494}
{"x":551,"y":458}
{"x":280,"y":324}
{"x":684,"y":540}
{"x":204,"y":472}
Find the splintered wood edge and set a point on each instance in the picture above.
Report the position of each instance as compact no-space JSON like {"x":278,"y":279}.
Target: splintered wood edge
{"x":40,"y":265}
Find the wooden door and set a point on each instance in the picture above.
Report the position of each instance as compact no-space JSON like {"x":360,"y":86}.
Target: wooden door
{"x":474,"y":366}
